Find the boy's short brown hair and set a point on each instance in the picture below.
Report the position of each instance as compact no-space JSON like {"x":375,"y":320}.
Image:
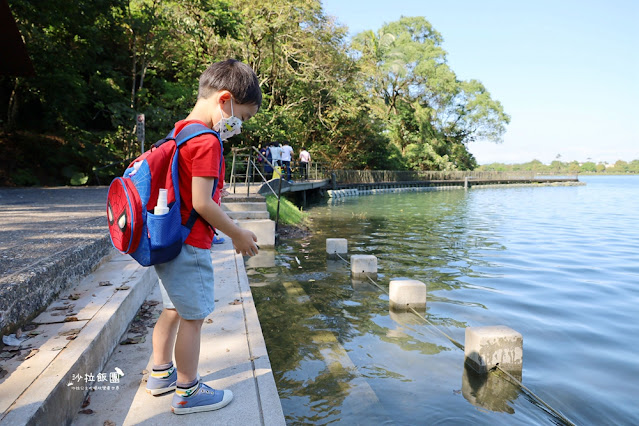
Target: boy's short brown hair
{"x":234,"y":76}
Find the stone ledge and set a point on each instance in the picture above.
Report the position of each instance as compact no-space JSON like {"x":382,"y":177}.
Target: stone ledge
{"x":24,"y":295}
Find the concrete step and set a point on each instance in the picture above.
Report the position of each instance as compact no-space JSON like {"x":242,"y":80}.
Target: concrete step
{"x":248,"y":215}
{"x":243,"y":207}
{"x":74,"y":338}
{"x":264,"y":229}
{"x":36,"y":282}
{"x":243,"y":198}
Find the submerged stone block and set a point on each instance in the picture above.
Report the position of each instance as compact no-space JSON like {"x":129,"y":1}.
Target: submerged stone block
{"x":363,"y":264}
{"x":336,"y":246}
{"x":485,"y":347}
{"x":404,"y":294}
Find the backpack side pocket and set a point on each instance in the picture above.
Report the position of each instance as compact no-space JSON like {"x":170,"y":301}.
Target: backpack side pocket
{"x":165,"y":234}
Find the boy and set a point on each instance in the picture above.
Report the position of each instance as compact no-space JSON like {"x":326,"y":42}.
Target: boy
{"x":229,"y":93}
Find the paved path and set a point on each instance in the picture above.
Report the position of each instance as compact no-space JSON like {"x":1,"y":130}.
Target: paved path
{"x":38,"y":222}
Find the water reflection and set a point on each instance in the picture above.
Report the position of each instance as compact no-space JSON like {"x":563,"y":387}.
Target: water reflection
{"x":264,"y":259}
{"x":490,"y":391}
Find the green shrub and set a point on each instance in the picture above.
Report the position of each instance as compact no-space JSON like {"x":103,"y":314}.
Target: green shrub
{"x":290,"y":214}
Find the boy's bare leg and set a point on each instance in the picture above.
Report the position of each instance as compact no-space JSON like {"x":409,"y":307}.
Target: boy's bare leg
{"x":187,"y":350}
{"x":164,"y":334}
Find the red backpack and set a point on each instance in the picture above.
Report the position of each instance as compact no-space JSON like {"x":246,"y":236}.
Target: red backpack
{"x":134,"y":228}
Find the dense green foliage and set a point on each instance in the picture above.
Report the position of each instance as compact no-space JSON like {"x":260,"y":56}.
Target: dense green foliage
{"x":384,"y":100}
{"x":557,"y":166}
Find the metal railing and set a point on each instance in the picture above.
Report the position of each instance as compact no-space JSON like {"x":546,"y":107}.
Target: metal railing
{"x":250,"y":166}
{"x":377,"y":176}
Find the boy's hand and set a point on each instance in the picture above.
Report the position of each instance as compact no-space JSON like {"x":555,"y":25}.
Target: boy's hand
{"x":244,"y":242}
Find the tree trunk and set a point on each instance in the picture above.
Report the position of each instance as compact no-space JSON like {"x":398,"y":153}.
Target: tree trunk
{"x":12,"y":110}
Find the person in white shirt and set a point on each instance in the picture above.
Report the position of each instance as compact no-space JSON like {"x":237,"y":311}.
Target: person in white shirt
{"x":276,"y":153}
{"x":287,"y":153}
{"x":305,"y":159}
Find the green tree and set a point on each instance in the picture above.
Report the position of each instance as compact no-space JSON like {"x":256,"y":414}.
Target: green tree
{"x":573,"y":167}
{"x":431,"y":115}
{"x":621,"y":166}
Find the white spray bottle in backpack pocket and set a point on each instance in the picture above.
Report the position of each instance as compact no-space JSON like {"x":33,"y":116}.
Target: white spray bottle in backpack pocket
{"x":161,"y":207}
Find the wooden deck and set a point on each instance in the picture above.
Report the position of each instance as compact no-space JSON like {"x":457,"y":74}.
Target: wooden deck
{"x":272,"y":187}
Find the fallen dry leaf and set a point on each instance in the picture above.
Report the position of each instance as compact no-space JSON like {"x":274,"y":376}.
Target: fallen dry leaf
{"x":236,"y":302}
{"x":86,"y":402}
{"x":86,"y":411}
{"x":133,"y":340}
{"x":63,"y":308}
{"x":123,"y":287}
{"x":71,"y":319}
{"x":108,"y":423}
{"x":69,"y":332}
{"x":209,"y":321}
{"x":105,"y":283}
{"x":31,"y":354}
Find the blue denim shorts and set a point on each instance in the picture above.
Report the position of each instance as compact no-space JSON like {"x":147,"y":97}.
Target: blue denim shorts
{"x":187,"y":283}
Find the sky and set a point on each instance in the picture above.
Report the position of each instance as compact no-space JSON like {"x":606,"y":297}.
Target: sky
{"x":567,"y":72}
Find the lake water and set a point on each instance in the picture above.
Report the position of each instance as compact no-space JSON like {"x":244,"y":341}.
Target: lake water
{"x":560,"y":265}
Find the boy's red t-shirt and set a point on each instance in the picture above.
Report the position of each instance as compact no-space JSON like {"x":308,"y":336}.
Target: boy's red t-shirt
{"x":199,"y":157}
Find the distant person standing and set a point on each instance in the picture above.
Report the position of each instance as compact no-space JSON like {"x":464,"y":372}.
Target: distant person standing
{"x":276,"y":153}
{"x":268,"y":162}
{"x":305,"y":159}
{"x":287,"y":153}
{"x":261,"y":159}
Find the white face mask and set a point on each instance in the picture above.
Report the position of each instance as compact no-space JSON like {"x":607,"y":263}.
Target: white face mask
{"x":228,"y":127}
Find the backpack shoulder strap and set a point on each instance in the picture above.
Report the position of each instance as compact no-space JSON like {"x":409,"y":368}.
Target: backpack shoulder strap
{"x":187,"y":133}
{"x":192,"y":130}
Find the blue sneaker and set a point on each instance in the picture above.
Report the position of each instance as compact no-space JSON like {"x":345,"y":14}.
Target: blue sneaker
{"x":218,"y":240}
{"x":205,"y":398}
{"x":162,"y":382}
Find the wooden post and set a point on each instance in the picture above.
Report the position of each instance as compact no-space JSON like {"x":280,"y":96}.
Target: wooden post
{"x":248,"y":169}
{"x":233,"y":172}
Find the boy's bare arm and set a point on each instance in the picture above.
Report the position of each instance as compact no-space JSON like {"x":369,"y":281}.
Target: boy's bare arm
{"x":243,"y":239}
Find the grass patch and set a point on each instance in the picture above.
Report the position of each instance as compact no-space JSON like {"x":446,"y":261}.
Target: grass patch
{"x":290,"y":214}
